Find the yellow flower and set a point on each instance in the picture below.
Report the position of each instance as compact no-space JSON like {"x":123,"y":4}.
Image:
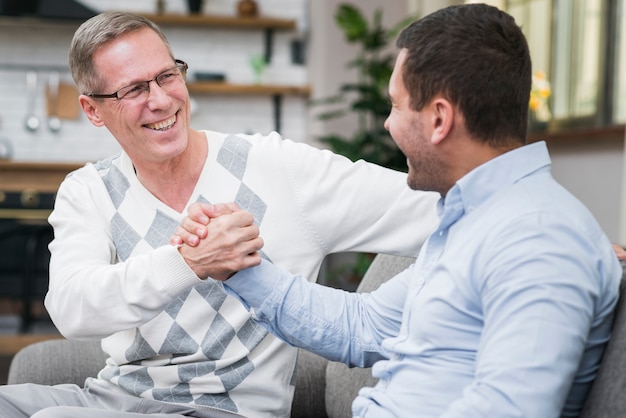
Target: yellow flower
{"x":539,"y":95}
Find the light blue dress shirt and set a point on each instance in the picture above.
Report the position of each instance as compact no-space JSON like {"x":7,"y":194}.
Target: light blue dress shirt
{"x":505,"y":313}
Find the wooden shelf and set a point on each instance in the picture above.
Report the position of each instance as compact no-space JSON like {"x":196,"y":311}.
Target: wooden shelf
{"x":267,"y":24}
{"x":276,"y":92}
{"x":40,"y":176}
{"x":39,"y":22}
{"x":260,"y":22}
{"x":612,"y":132}
{"x":206,"y":87}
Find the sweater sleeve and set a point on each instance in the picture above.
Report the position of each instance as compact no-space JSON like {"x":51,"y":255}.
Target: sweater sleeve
{"x":372,"y":206}
{"x":91,"y":293}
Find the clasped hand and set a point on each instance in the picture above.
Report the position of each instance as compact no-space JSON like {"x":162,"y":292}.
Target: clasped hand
{"x":218,"y":240}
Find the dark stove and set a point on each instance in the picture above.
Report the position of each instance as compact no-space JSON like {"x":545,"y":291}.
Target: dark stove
{"x":24,"y":257}
{"x":27,"y":193}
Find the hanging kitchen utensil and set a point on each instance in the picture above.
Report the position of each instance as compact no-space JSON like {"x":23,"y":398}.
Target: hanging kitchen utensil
{"x":6,"y":147}
{"x":32,"y":121}
{"x":54,"y":123}
{"x":67,"y":102}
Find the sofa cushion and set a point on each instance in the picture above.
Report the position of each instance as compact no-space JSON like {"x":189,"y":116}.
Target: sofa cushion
{"x":606,"y":398}
{"x":57,"y":361}
{"x":343,"y":383}
{"x":308,"y":398}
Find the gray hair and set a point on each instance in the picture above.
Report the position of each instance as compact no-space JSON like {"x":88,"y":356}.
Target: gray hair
{"x":94,"y":34}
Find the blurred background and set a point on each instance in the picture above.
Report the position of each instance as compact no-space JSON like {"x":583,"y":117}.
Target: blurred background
{"x":287,"y":65}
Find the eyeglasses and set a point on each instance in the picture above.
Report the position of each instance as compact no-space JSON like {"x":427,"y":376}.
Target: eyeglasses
{"x":167,"y":80}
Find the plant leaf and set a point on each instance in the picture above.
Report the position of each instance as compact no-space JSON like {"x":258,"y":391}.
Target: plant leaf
{"x":351,"y":21}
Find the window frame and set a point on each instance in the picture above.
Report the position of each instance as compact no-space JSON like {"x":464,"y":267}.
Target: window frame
{"x":605,"y":101}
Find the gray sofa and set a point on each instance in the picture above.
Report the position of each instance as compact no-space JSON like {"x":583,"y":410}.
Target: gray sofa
{"x":323,"y":388}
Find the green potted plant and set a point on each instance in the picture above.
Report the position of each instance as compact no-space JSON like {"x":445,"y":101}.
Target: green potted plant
{"x":367,"y":97}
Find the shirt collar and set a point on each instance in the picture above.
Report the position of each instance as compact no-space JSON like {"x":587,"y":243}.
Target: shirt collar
{"x":477,"y":186}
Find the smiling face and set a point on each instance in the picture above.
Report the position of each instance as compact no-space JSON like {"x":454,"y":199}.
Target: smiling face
{"x":412,"y":131}
{"x":154,"y":128}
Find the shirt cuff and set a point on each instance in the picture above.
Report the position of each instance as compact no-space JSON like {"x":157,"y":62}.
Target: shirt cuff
{"x":254,"y":285}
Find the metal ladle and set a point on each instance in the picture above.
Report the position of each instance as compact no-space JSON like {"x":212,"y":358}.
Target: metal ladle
{"x":54,"y":123}
{"x":32,"y":121}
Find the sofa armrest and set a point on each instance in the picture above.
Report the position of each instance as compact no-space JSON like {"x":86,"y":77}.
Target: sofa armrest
{"x":57,"y":361}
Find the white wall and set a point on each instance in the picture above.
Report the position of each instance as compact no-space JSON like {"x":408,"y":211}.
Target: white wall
{"x":593,"y":171}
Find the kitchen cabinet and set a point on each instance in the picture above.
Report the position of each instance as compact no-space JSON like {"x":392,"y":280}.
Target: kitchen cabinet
{"x":27,"y":193}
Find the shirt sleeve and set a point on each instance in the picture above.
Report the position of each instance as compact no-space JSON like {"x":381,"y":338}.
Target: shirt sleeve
{"x":91,"y":294}
{"x":339,"y":325}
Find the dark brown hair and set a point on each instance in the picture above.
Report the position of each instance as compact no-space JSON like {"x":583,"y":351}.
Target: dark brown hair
{"x":477,"y":57}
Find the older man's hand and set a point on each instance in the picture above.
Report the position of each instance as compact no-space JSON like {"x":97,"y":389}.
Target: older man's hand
{"x":216,"y":241}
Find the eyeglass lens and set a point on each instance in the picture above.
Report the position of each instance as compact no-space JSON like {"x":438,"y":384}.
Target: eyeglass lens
{"x":166,"y":80}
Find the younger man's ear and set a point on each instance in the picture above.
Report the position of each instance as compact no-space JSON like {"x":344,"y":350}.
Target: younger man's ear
{"x":442,"y":119}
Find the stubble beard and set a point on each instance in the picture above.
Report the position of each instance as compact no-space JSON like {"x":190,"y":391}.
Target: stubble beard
{"x":427,"y":175}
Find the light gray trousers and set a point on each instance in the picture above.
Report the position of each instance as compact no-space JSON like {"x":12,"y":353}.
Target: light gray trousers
{"x":70,"y":401}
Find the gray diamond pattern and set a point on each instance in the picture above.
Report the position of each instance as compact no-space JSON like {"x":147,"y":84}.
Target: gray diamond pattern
{"x":161,"y":229}
{"x":140,"y":349}
{"x":233,"y":375}
{"x":117,"y":185}
{"x":233,"y":156}
{"x":137,"y":382}
{"x":248,"y":200}
{"x":217,"y":338}
{"x":174,"y":306}
{"x":124,"y":236}
{"x":251,"y":334}
{"x":217,"y":400}
{"x":186,"y":372}
{"x":178,"y":341}
{"x":213,"y":292}
{"x":178,"y":394}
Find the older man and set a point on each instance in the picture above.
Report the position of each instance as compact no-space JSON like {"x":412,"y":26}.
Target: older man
{"x":178,"y":344}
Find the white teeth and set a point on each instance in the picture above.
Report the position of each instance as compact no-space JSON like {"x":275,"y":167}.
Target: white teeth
{"x":161,"y":126}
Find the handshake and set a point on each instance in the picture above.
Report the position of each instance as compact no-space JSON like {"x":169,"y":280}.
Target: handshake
{"x":217,"y":241}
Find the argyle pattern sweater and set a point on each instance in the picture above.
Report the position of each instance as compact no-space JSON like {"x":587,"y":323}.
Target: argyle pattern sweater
{"x":175,"y":338}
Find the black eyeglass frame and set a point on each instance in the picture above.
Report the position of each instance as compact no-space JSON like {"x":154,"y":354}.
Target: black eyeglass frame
{"x":181,"y":65}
